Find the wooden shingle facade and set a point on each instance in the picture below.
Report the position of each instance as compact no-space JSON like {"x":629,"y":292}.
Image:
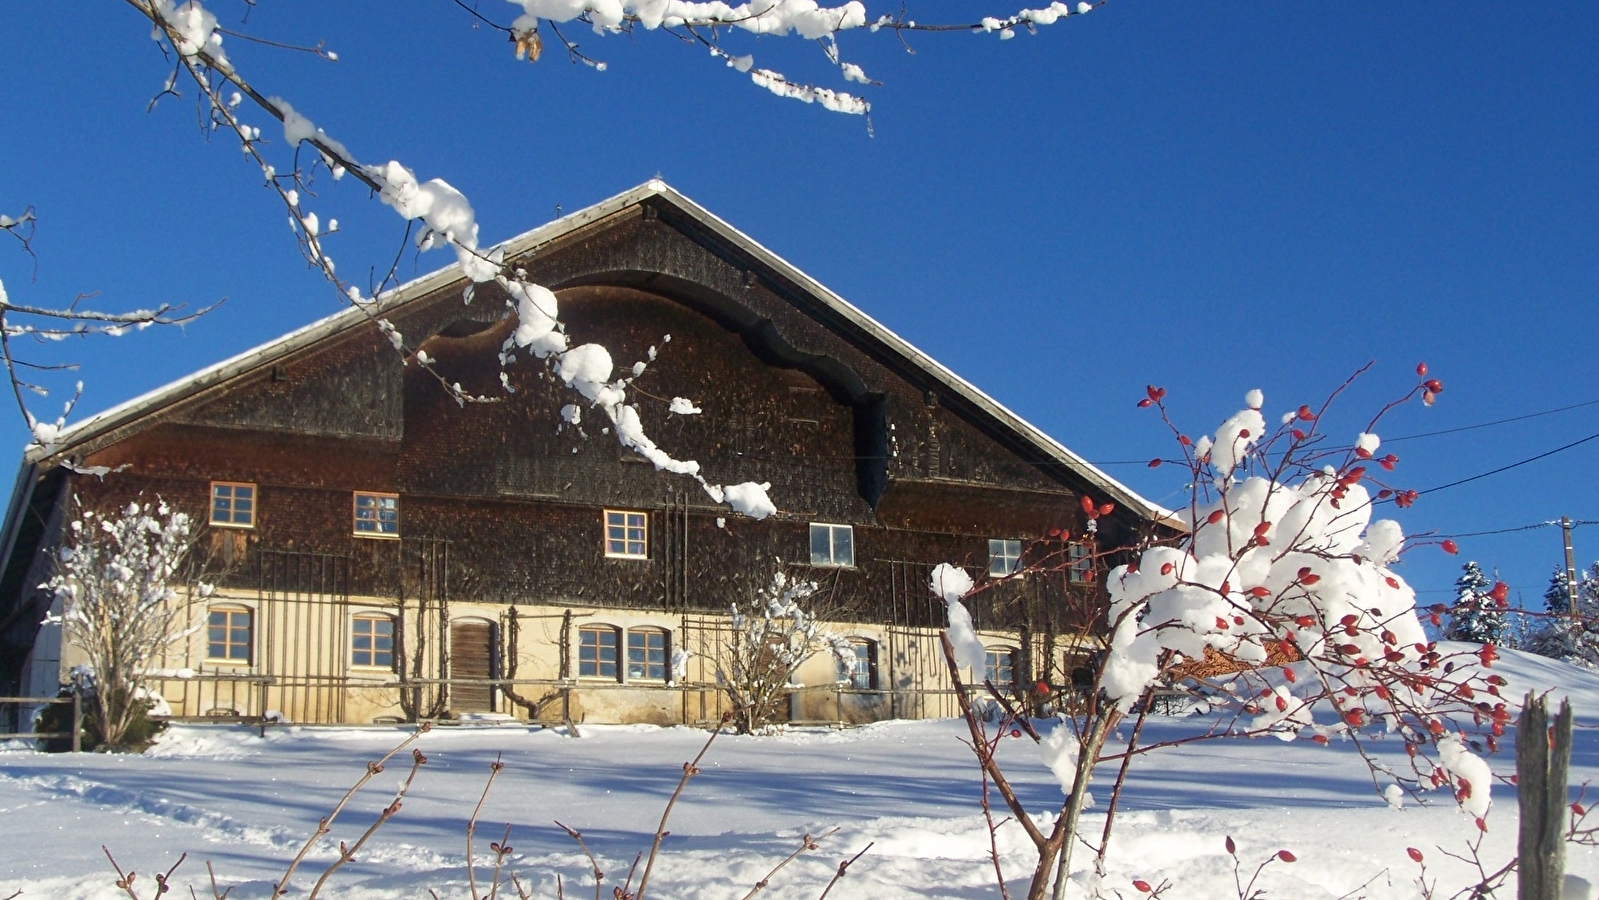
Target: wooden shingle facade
{"x":390,"y":554}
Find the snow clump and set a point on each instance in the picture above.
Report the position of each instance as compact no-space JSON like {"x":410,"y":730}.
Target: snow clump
{"x":951,"y":583}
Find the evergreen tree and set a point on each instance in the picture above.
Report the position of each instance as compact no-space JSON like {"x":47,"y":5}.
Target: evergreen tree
{"x":1557,"y":598}
{"x":1562,"y":637}
{"x":1476,"y":616}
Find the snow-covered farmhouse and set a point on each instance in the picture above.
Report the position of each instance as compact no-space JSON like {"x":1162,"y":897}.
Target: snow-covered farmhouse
{"x":385,"y":553}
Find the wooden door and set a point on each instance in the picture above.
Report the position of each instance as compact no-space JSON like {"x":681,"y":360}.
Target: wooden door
{"x":472,"y":657}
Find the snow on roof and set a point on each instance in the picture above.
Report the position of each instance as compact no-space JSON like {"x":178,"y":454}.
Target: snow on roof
{"x":250,"y":360}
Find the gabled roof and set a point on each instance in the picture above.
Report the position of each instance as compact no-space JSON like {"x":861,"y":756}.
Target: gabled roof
{"x":77,"y":435}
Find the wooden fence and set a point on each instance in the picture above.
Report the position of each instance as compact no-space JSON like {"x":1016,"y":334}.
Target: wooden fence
{"x":75,"y":700}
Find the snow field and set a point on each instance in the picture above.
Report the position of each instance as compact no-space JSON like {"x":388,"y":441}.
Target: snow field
{"x":910,"y":789}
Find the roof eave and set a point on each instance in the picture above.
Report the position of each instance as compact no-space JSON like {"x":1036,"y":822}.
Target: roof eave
{"x":271,"y":351}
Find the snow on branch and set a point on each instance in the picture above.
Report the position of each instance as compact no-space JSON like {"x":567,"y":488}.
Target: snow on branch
{"x":52,"y":324}
{"x":1277,"y":601}
{"x":121,"y":599}
{"x":446,"y":215}
{"x":771,"y":638}
{"x":772,"y":18}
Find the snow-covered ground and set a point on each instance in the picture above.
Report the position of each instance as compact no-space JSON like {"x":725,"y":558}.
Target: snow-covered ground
{"x":909,"y":789}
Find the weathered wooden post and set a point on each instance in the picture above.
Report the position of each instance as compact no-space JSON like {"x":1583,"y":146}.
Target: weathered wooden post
{"x":77,"y":720}
{"x":1543,"y":756}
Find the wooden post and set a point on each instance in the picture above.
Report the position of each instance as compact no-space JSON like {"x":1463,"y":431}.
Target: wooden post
{"x":77,"y":721}
{"x":1543,"y":756}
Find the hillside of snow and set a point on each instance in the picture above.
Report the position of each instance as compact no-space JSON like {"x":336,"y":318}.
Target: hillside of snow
{"x":910,"y":790}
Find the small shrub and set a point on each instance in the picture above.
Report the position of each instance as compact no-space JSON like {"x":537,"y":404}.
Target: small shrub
{"x":140,"y":733}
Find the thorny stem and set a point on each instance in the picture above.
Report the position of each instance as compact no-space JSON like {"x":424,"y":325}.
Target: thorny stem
{"x":372,"y":769}
{"x":1358,"y":891}
{"x":993,"y":828}
{"x":986,"y":759}
{"x":1116,"y":790}
{"x":690,"y":769}
{"x":346,"y":854}
{"x":806,"y":843}
{"x":843,"y":869}
{"x":1088,"y":755}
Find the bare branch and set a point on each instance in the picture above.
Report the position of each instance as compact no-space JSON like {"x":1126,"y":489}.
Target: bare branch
{"x":690,"y":769}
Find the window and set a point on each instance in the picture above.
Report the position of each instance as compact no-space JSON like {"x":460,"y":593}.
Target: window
{"x":372,"y":641}
{"x":859,"y":669}
{"x":228,"y":634}
{"x":1000,"y":667}
{"x":832,"y":545}
{"x":596,"y":652}
{"x":1003,"y":556}
{"x":647,"y":655}
{"x":1080,"y":567}
{"x":627,"y":534}
{"x":377,"y":515}
{"x":232,"y":504}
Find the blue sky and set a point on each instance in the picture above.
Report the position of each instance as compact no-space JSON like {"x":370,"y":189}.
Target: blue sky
{"x":1209,"y":197}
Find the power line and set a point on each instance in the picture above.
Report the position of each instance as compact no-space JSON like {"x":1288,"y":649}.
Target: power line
{"x":1547,"y":412}
{"x":1534,"y":525}
{"x":1408,"y":437}
{"x":1549,"y":524}
{"x":1530,"y":459}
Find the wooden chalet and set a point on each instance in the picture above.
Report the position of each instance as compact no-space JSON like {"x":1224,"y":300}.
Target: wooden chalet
{"x":387,"y":554}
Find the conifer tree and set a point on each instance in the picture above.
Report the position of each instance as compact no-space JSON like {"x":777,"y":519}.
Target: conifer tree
{"x":1574,"y":639}
{"x":1476,"y":617}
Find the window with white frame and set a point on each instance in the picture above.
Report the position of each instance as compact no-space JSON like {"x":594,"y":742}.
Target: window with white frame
{"x":372,"y":641}
{"x":1000,"y":667}
{"x":627,"y":534}
{"x":648,"y":654}
{"x":377,"y":515}
{"x":859,"y":669}
{"x":1003,"y":556}
{"x":229,"y":634}
{"x":232,"y":504}
{"x":832,"y":545}
{"x":596,"y":651}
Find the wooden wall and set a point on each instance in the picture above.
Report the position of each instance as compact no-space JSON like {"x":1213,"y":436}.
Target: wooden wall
{"x":793,"y":394}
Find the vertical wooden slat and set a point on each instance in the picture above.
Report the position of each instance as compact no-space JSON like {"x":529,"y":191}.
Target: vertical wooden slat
{"x":471,"y":657}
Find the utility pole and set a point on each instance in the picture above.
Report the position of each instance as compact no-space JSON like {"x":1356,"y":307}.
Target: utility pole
{"x":1571,"y":565}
